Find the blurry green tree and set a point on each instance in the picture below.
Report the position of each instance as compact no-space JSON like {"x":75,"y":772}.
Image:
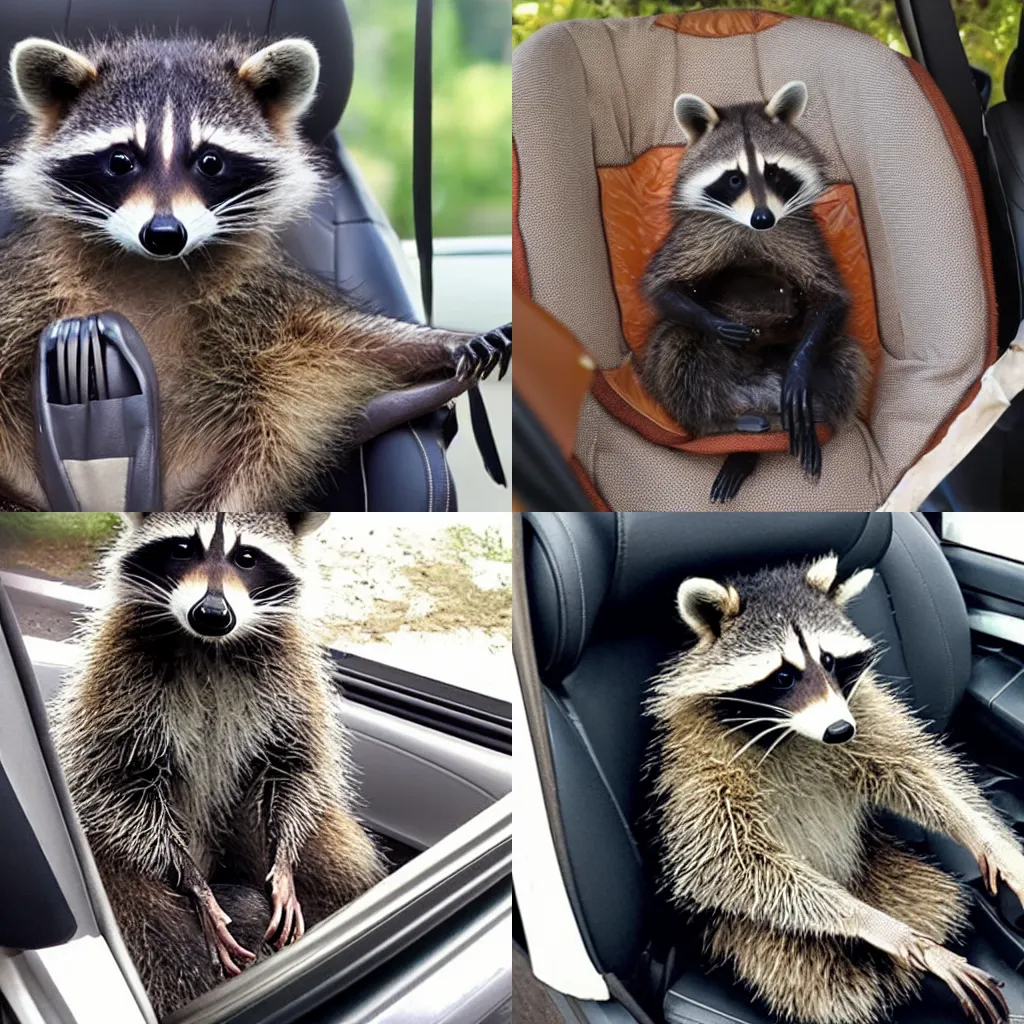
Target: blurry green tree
{"x":988,"y":28}
{"x":472,"y":112}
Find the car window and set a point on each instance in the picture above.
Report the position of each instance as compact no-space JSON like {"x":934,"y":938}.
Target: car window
{"x":472,"y":116}
{"x":998,"y":533}
{"x":427,"y":594}
{"x":988,"y":28}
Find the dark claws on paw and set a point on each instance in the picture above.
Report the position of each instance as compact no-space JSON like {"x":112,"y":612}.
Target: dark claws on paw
{"x":735,"y":469}
{"x":477,"y":358}
{"x":797,"y":414}
{"x":735,"y":334}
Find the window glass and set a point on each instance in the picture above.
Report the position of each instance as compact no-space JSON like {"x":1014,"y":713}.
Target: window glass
{"x":988,"y":28}
{"x":472,"y":117}
{"x":999,"y":533}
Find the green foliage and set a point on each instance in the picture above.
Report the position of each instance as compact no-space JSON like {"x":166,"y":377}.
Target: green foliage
{"x":472,"y":115}
{"x":988,"y":28}
{"x":59,"y":526}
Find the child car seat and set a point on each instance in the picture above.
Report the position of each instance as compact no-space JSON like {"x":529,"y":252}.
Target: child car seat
{"x":595,"y":143}
{"x":347,"y":240}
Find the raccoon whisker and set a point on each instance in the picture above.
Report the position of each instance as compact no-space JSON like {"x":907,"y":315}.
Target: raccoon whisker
{"x":255,"y":190}
{"x":746,"y":746}
{"x":745,"y":722}
{"x":757,"y":703}
{"x":775,"y":743}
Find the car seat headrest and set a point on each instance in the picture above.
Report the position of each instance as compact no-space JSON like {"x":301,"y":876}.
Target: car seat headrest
{"x":323,"y":22}
{"x":624,"y":568}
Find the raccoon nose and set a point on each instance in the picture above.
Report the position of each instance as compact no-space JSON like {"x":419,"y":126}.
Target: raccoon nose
{"x":762,"y":218}
{"x":212,"y":616}
{"x":164,"y":236}
{"x":839,"y":732}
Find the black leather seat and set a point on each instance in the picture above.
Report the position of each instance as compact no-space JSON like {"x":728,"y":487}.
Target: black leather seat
{"x":347,"y":240}
{"x":601,"y":588}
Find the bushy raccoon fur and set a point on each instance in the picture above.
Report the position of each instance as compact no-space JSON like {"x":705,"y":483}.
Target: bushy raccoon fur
{"x":752,"y":307}
{"x":202,"y":754}
{"x":153,"y":180}
{"x":775,"y":743}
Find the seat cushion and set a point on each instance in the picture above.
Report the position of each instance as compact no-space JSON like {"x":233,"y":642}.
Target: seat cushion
{"x":593,"y":95}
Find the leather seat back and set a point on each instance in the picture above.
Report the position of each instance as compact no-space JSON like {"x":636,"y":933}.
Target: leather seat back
{"x":595,"y":144}
{"x":602,"y":605}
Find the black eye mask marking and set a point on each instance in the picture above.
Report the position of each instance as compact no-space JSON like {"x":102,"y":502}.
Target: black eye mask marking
{"x":782,"y":182}
{"x":728,"y":187}
{"x":849,"y":670}
{"x":90,"y":174}
{"x":164,"y":562}
{"x":237,"y":173}
{"x":266,"y":579}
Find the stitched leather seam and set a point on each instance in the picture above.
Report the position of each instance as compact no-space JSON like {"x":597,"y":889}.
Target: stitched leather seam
{"x":560,"y":516}
{"x":430,"y":476}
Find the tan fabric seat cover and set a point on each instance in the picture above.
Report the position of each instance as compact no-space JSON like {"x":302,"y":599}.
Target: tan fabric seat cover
{"x":594,"y":95}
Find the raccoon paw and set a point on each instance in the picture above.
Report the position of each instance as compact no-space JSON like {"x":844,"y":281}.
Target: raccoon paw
{"x":476,"y":359}
{"x":797,"y":412}
{"x":735,"y":469}
{"x":719,"y":329}
{"x":976,"y":990}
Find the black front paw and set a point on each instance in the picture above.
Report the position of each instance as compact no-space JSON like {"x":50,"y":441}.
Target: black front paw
{"x":797,"y":411}
{"x":476,"y":358}
{"x":729,"y":332}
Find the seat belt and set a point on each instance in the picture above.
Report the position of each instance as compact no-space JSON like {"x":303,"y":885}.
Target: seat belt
{"x":422,"y":164}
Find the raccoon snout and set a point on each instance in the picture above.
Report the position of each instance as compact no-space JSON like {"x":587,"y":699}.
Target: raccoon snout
{"x":762,"y":218}
{"x":212,"y":616}
{"x":164,"y":235}
{"x":839,"y":732}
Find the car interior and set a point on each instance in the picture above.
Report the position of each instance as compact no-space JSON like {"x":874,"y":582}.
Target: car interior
{"x":434,"y":768}
{"x":347,"y":240}
{"x":595,"y":186}
{"x":600,"y":589}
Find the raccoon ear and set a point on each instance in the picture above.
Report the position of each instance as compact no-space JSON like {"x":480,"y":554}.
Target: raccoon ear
{"x":704,"y":605}
{"x":855,"y":585}
{"x":48,"y":76}
{"x":821,"y":574}
{"x":283,"y":76}
{"x":696,"y":117}
{"x":788,"y":103}
{"x":303,"y":523}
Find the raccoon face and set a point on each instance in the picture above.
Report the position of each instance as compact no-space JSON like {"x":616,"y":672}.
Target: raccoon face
{"x":163,"y":146}
{"x":748,"y":163}
{"x":775,"y":652}
{"x":216,"y":578}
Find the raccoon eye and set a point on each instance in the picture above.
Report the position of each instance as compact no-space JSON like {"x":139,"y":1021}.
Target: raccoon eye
{"x":736,"y":180}
{"x":210,"y":163}
{"x":245,"y":558}
{"x":183,"y":548}
{"x":827,"y":662}
{"x":783,"y":679}
{"x":120,"y":162}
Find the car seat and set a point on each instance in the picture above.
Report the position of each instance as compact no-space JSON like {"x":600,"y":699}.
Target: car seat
{"x":347,"y":240}
{"x":595,"y":146}
{"x":601,"y":593}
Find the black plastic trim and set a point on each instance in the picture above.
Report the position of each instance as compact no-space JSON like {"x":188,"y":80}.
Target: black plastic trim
{"x":33,"y":910}
{"x":450,"y":709}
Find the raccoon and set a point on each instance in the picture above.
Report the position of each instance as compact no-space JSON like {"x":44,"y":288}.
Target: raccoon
{"x":775,"y":744}
{"x":199,"y":745}
{"x":154,"y":180}
{"x":751,"y":306}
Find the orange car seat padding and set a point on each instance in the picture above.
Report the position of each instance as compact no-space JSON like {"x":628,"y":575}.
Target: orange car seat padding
{"x":520,"y":274}
{"x":551,"y":372}
{"x":714,"y":24}
{"x":636,"y":215}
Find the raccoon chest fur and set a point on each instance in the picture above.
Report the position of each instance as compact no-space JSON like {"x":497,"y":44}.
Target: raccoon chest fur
{"x":218,"y":729}
{"x":814,"y":817}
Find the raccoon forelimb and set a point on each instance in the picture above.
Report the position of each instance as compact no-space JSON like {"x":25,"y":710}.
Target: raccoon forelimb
{"x":674,"y":302}
{"x":907,"y":772}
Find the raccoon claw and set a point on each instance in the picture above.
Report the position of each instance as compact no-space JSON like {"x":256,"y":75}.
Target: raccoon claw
{"x":286,"y":921}
{"x":732,"y":333}
{"x":215,"y":926}
{"x":797,"y":413}
{"x":977,"y":991}
{"x":476,"y":359}
{"x":735,"y":469}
